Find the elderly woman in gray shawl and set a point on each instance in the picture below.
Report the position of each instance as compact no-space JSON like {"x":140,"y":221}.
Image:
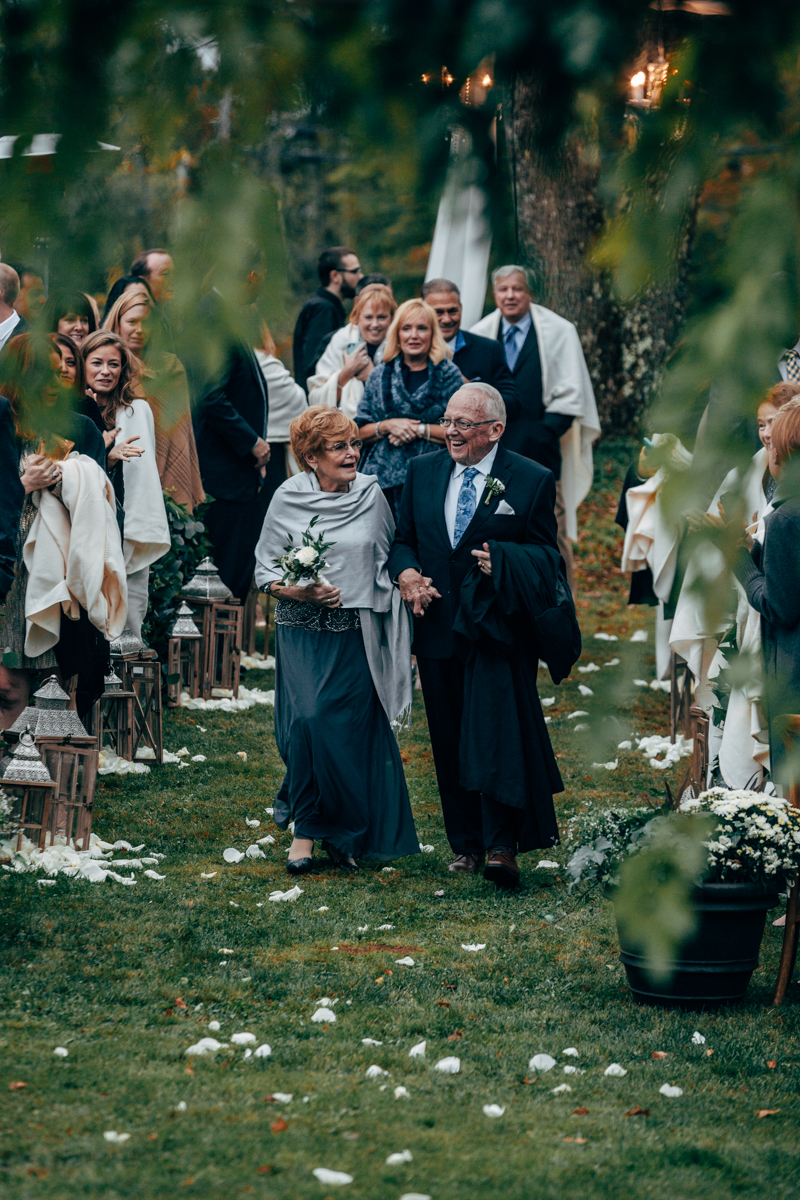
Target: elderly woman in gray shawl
{"x":342,"y":649}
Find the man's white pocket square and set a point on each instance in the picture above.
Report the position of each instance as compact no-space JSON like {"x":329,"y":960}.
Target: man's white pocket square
{"x":504,"y":510}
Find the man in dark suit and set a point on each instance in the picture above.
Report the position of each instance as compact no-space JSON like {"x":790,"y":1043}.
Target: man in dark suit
{"x":454,"y":502}
{"x":11,"y":323}
{"x":230,"y":427}
{"x":339,"y":271}
{"x":477,"y":358}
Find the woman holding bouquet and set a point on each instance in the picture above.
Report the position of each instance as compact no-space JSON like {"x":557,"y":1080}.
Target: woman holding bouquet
{"x":342,"y":648}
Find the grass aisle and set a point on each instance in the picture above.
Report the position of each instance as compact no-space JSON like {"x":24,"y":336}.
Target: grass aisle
{"x":126,"y":978}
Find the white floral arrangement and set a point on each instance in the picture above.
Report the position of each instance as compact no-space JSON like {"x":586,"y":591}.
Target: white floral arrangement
{"x":306,"y":562}
{"x":756,"y":839}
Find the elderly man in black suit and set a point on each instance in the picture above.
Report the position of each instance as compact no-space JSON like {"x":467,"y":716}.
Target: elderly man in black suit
{"x":477,"y":358}
{"x":476,"y":502}
{"x":230,"y":427}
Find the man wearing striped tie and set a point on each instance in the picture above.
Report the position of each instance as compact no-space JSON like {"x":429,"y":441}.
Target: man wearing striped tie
{"x":463,"y":508}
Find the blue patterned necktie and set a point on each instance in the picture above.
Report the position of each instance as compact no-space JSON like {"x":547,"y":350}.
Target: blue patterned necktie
{"x":512,"y":349}
{"x":467,"y":503}
{"x":792,"y":362}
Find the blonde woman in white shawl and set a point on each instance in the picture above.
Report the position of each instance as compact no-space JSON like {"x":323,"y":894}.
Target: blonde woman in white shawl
{"x":354,"y":351}
{"x":111,"y":369}
{"x":343,"y":661}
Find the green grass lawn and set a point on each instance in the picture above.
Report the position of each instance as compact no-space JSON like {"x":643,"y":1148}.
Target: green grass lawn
{"x":126,"y":978}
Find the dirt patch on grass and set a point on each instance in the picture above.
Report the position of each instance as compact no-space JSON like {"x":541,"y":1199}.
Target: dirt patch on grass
{"x":377,"y":948}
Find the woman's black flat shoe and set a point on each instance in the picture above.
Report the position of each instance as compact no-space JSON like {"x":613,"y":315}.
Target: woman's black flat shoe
{"x":299,"y":866}
{"x":340,"y":860}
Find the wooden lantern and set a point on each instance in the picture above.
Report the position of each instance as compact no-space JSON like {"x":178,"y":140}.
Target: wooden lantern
{"x":221,"y":630}
{"x":112,"y":718}
{"x":74,"y":771}
{"x":184,"y":658}
{"x":140,"y":673}
{"x":27,"y":783}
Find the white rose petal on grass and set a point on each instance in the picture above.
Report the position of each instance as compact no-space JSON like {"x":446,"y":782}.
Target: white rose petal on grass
{"x":253,"y":822}
{"x":418,"y":1051}
{"x":242,"y":1039}
{"x":641,"y":683}
{"x":640,"y":636}
{"x":609,"y":766}
{"x":584,"y":690}
{"x":232,"y":855}
{"x":248,"y":1054}
{"x":214,"y":1026}
{"x":370,"y":1042}
{"x":292,"y":894}
{"x":546,"y":864}
{"x":264,"y":1051}
{"x":61,"y":1052}
{"x":323,"y":909}
{"x":324,"y":1015}
{"x":698,"y":1039}
{"x":404,"y":962}
{"x":414,"y":1196}
{"x":612,"y":662}
{"x":388,"y":870}
{"x":615,"y":1070}
{"x":547,"y":701}
{"x":182,"y":1106}
{"x":210,"y":875}
{"x":667,"y":1089}
{"x":331,"y":1178}
{"x":401,"y":1093}
{"x":242,"y":754}
{"x":626,"y":745}
{"x":115,"y":1138}
{"x":385,"y":926}
{"x":573,"y":1071}
{"x":473,"y":947}
{"x":606,"y":637}
{"x":541,"y":1062}
{"x":255,"y":852}
{"x":589,"y":667}
{"x":206,"y":1046}
{"x":448,"y":1066}
{"x":362,"y":928}
{"x":403,"y":1156}
{"x":182,"y":753}
{"x":571,"y":1052}
{"x":269,"y":840}
{"x":561,"y":1089}
{"x":154,"y":875}
{"x":224,"y":950}
{"x":375,"y":1072}
{"x":283,"y":1097}
{"x":426,"y":849}
{"x":198,"y":758}
{"x":494,"y":1110}
{"x":578,"y":713}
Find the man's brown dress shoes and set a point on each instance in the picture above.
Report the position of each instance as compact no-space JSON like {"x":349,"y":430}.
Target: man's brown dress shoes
{"x":501,"y":868}
{"x":471,"y":863}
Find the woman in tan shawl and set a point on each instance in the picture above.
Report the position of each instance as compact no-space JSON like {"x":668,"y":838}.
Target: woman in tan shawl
{"x":164,"y":386}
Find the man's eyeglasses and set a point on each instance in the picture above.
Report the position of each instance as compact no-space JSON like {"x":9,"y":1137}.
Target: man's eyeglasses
{"x":350,"y":270}
{"x":461,"y":425}
{"x":340,"y":447}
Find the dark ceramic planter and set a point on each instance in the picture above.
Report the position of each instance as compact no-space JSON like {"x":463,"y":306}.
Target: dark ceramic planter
{"x":714,"y":966}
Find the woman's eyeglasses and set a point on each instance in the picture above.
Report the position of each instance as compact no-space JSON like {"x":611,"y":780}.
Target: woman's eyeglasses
{"x":461,"y":425}
{"x":340,"y":447}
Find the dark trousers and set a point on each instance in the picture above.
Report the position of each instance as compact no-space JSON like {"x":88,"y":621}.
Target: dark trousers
{"x":472,"y":822}
{"x":234,"y":528}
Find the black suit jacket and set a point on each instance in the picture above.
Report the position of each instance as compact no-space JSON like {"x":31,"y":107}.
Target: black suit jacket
{"x":12,"y":495}
{"x":230,"y":412}
{"x":535,"y":433}
{"x":421,"y":540}
{"x":319,"y":317}
{"x":482,"y":359}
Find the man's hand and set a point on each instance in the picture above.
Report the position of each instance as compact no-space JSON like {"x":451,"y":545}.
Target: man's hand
{"x":484,"y":559}
{"x":416,"y":590}
{"x":260,"y":452}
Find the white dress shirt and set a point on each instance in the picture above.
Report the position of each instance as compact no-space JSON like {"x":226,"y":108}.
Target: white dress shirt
{"x":484,"y":468}
{"x":7,"y":328}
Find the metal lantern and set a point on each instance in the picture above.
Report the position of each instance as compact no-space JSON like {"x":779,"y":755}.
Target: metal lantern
{"x":206,"y":584}
{"x":184,"y":658}
{"x":139,"y":672}
{"x":127,"y":645}
{"x":221,"y":645}
{"x":112,"y":717}
{"x":27,"y":782}
{"x":49,"y":719}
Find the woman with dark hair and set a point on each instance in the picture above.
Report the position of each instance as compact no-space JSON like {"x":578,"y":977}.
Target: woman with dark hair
{"x":70,"y":313}
{"x":125,"y":283}
{"x":111,"y":374}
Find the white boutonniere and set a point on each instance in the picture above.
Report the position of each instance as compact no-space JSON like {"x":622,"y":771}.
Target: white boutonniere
{"x":493,"y":487}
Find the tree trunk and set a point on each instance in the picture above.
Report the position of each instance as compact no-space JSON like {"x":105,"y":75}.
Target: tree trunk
{"x":559,"y":213}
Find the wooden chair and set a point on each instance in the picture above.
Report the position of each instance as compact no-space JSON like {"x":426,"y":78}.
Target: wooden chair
{"x":680,"y":697}
{"x":792,"y":926}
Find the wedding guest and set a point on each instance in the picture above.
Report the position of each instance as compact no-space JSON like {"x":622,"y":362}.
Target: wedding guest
{"x":353,"y":352}
{"x":477,"y":509}
{"x":339,"y":272}
{"x":163,"y":384}
{"x":31,"y":295}
{"x":477,"y":358}
{"x":558,"y":420}
{"x":111,"y":371}
{"x":342,"y":656}
{"x":405,"y":396}
{"x":126,"y":283}
{"x":11,"y":323}
{"x":155,"y":268}
{"x":70,"y":313}
{"x":770,"y":575}
{"x":287,"y":400}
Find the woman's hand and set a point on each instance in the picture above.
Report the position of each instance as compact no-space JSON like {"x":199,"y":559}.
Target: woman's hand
{"x":314,"y":593}
{"x":355,"y":365}
{"x":109,"y":436}
{"x":40,"y":472}
{"x":400,"y":430}
{"x":125,"y":450}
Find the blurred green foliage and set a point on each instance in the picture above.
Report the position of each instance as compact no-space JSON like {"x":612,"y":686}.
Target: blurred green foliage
{"x":189,"y":545}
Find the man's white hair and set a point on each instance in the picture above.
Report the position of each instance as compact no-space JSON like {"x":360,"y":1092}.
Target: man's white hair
{"x":493,"y":401}
{"x":513,"y":269}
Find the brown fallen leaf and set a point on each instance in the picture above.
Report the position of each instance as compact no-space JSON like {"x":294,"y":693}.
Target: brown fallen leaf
{"x":454,"y":1037}
{"x":579,"y":1141}
{"x":189,"y":1071}
{"x":638,"y":1112}
{"x":168,"y":1012}
{"x":264,"y":1170}
{"x":279,"y":1126}
{"x":580,"y":1112}
{"x":709,"y":1053}
{"x":767,"y":1112}
{"x":659,"y":1054}
{"x":16,"y":1085}
{"x":179,"y":1003}
{"x":443,"y":1003}
{"x":772,"y":1064}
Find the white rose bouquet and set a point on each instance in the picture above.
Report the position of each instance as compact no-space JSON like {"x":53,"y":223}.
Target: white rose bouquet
{"x":306,"y":562}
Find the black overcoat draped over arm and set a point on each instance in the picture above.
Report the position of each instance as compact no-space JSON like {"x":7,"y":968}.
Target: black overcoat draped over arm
{"x":12,"y":495}
{"x":505,"y":749}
